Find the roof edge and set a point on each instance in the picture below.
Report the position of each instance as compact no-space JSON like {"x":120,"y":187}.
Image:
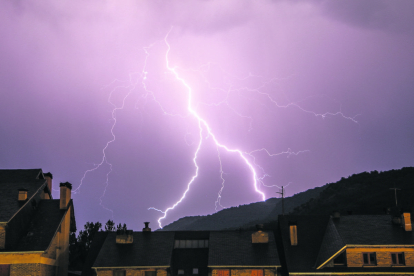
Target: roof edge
{"x":333,"y":256}
{"x":230,"y":266}
{"x":34,"y":194}
{"x":20,"y":252}
{"x":60,"y":223}
{"x":129,"y":267}
{"x":379,"y":245}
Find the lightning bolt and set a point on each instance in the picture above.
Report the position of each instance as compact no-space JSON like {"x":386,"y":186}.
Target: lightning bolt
{"x":204,"y":126}
{"x":204,"y":129}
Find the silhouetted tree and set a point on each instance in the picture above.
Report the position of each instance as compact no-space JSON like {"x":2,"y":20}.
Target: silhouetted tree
{"x":79,"y":246}
{"x":121,"y":227}
{"x":110,"y":226}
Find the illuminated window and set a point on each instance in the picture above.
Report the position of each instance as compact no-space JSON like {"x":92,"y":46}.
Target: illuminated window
{"x":257,"y":272}
{"x":223,"y":272}
{"x":397,"y":258}
{"x":293,"y":232}
{"x":370,"y":258}
{"x":195,"y":271}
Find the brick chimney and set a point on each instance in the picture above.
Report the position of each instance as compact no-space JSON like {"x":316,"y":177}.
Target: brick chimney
{"x":49,"y":177}
{"x":22,"y":195}
{"x":65,"y":195}
{"x":293,"y":234}
{"x":146,"y":228}
{"x":260,"y":236}
{"x":124,"y":237}
{"x":406,"y":222}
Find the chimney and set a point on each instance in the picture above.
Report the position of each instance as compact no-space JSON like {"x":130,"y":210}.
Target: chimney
{"x":146,"y":228}
{"x":406,"y":221}
{"x":124,"y":237}
{"x":293,"y":234}
{"x":49,"y":177}
{"x":65,"y":195}
{"x":260,"y":236}
{"x":22,"y":195}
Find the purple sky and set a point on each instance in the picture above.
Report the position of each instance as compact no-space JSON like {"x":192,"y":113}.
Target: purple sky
{"x":326,"y":86}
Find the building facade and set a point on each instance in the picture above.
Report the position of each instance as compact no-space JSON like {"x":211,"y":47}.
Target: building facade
{"x":347,"y":245}
{"x":34,"y":228}
{"x":176,"y":253}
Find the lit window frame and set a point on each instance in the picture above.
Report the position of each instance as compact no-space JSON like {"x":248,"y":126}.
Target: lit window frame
{"x":369,"y":254}
{"x":397,"y":259}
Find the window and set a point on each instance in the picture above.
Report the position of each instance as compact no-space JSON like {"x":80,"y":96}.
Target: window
{"x":370,"y":258}
{"x":150,"y":273}
{"x":119,"y":272}
{"x":191,"y":244}
{"x":257,"y":272}
{"x":398,"y":258}
{"x":195,"y":271}
{"x":293,"y":231}
{"x":180,"y":272}
{"x":223,"y":272}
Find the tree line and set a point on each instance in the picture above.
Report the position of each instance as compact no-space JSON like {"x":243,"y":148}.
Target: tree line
{"x":80,"y":245}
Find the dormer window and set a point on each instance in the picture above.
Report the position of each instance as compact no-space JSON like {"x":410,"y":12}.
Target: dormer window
{"x":370,"y":258}
{"x":398,"y":258}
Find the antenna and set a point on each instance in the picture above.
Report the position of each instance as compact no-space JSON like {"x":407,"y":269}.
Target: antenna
{"x":395,"y":189}
{"x":283,"y":199}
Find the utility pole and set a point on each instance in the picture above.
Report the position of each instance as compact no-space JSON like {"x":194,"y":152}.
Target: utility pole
{"x":283,"y":200}
{"x":395,"y":189}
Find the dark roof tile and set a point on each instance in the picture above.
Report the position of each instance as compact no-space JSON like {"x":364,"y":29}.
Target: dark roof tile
{"x":147,"y":249}
{"x":236,"y":248}
{"x":43,"y":226}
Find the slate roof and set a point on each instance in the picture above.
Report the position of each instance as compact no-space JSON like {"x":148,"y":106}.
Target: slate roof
{"x":320,"y":237}
{"x":147,"y":249}
{"x":331,"y":244}
{"x":98,"y":241}
{"x":10,"y":182}
{"x":235,"y":248}
{"x":43,"y":226}
{"x":22,"y":175}
{"x":46,"y":218}
{"x":372,"y":230}
{"x":226,"y":248}
{"x":310,"y":231}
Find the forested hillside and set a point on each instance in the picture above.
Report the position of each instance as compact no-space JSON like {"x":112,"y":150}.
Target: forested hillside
{"x":363,"y":193}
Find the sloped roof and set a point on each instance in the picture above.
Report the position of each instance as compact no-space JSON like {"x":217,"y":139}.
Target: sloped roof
{"x":323,"y":236}
{"x":311,"y":232}
{"x":97,"y":243}
{"x":235,"y":248}
{"x":43,"y":226}
{"x":372,"y":230}
{"x":20,"y":175}
{"x":147,"y":249}
{"x":9,"y":204}
{"x":331,"y":244}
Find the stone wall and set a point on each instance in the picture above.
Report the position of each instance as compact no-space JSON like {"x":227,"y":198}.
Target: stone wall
{"x":32,"y":269}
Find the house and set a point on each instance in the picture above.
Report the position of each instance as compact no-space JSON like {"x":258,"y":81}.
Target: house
{"x":347,"y":245}
{"x":34,"y":227}
{"x":173,"y":253}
